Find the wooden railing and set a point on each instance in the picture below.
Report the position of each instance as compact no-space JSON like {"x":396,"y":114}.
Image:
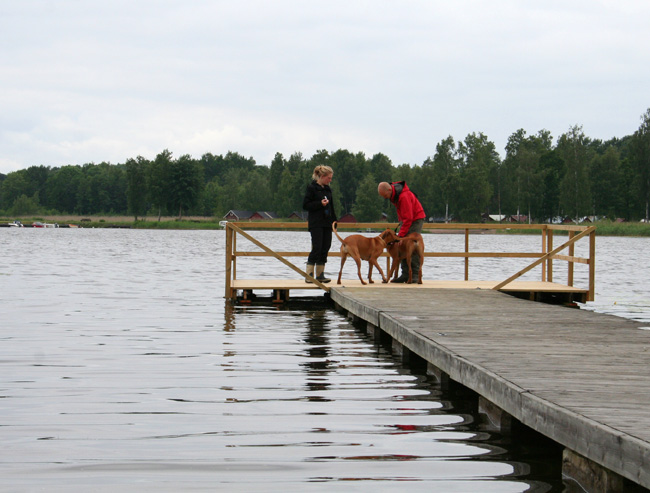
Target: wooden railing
{"x":546,"y":257}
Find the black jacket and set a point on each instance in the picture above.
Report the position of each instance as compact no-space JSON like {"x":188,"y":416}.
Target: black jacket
{"x":319,"y":216}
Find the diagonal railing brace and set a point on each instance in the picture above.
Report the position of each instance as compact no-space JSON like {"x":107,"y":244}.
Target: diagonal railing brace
{"x":545,"y":257}
{"x":279,"y":257}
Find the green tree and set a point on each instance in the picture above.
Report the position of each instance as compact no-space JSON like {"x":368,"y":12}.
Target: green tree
{"x":110,"y":185}
{"x":210,"y":200}
{"x":37,"y":177}
{"x":62,"y":188}
{"x":642,"y":159}
{"x":24,"y":206}
{"x":628,"y":204}
{"x":13,"y":186}
{"x":552,"y":169}
{"x":605,"y":178}
{"x":368,"y":203}
{"x":136,"y":191}
{"x":575,"y":188}
{"x":256,"y":191}
{"x":297,"y":174}
{"x":185,"y":184}
{"x":158,"y":180}
{"x":295,"y":162}
{"x":231,"y":189}
{"x":287,"y":199}
{"x":213,"y":166}
{"x":445,"y":171}
{"x":477,"y":156}
{"x":275,"y":172}
{"x":522,"y":164}
{"x":381,"y":168}
{"x":234,"y":160}
{"x":348,"y":172}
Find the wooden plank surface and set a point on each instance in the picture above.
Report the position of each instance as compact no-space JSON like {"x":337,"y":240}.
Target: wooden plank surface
{"x":579,"y":377}
{"x":535,"y":286}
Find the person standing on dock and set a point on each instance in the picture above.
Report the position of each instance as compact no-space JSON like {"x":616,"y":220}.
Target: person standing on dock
{"x":410,"y":215}
{"x":319,"y":203}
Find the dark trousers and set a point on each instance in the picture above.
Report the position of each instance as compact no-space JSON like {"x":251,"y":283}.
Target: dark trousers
{"x":416,"y":227}
{"x":321,"y":241}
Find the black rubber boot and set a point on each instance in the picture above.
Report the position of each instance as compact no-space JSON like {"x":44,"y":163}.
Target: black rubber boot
{"x":320,"y":275}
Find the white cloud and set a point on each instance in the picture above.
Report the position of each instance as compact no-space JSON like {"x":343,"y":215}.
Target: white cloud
{"x":87,"y":82}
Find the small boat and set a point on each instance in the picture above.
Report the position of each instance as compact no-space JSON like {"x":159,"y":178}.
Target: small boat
{"x":223,"y":223}
{"x":16,"y":224}
{"x":38,"y":224}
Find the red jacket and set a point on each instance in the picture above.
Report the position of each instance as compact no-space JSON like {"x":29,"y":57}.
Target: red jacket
{"x":408,"y":206}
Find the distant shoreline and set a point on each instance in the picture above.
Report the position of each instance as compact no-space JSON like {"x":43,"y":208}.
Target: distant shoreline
{"x":603,"y":228}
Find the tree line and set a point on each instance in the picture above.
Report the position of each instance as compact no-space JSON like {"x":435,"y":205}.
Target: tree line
{"x":574,"y":177}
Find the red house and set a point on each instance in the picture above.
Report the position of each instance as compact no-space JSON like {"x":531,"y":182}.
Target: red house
{"x":347,"y":218}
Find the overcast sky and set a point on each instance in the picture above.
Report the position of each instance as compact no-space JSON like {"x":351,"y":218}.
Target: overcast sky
{"x":85,"y":81}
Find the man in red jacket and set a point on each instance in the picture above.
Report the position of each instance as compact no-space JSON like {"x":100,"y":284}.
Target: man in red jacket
{"x":410,"y":215}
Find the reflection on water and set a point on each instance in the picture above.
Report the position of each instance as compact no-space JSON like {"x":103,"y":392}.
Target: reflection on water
{"x":342,"y":409}
{"x":123,"y":368}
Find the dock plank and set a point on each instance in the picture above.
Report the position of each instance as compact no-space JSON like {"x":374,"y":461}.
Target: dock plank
{"x":579,"y":377}
{"x":523,"y":287}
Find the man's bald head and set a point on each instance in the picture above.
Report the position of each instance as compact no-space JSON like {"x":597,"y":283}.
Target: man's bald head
{"x":385,"y":190}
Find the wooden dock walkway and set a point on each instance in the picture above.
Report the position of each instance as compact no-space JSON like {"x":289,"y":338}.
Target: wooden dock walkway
{"x":578,"y":377}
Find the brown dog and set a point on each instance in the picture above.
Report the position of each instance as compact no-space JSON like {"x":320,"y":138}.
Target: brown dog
{"x":360,"y":248}
{"x":403,"y":248}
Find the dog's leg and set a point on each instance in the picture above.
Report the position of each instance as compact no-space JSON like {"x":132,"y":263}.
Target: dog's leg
{"x":358,"y":261}
{"x":393,"y":261}
{"x":353,"y":251}
{"x":389,"y":272}
{"x":344,"y":256}
{"x":394,"y":268}
{"x":408,"y":261}
{"x":376,"y":264}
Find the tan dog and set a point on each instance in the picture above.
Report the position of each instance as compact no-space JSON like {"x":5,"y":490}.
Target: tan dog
{"x":360,"y":248}
{"x":403,"y":248}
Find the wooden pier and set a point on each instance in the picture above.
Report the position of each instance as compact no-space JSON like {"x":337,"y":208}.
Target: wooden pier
{"x":545,"y":289}
{"x":578,"y":377}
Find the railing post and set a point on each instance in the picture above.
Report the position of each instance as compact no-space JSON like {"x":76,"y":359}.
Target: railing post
{"x":229,"y":233}
{"x":544,"y":240}
{"x":466,"y":251}
{"x":570,"y":263}
{"x":592,"y":266}
{"x":234,"y":254}
{"x":549,"y":247}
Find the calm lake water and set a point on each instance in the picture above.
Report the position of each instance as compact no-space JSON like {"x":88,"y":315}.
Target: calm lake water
{"x":122,"y":368}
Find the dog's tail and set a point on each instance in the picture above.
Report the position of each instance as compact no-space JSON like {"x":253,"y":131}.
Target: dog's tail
{"x":336,"y":232}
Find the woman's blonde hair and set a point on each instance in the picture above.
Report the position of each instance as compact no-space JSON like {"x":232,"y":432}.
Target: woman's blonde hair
{"x":321,"y":170}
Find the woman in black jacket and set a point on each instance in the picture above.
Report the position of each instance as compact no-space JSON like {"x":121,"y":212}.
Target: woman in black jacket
{"x":320,"y":206}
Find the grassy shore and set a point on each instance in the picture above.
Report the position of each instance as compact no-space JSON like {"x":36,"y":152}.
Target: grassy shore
{"x":193,"y":222}
{"x":603,"y":228}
